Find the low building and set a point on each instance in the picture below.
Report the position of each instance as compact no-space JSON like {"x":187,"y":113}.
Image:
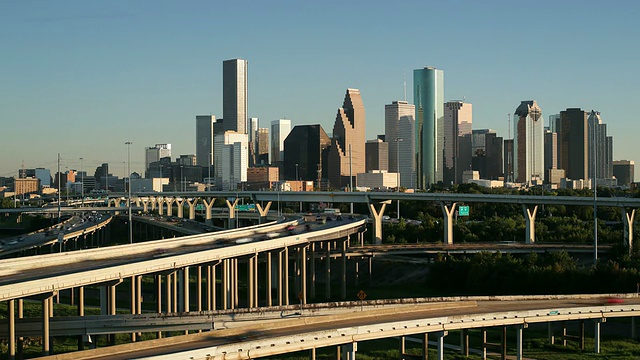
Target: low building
{"x":378,"y":179}
{"x":30,"y":185}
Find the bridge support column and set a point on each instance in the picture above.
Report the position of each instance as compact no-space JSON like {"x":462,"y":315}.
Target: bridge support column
{"x":199,"y":288}
{"x":279,"y":277}
{"x":552,"y":338}
{"x":401,"y":347}
{"x":226,"y":291}
{"x":250,"y":279}
{"x":232,"y":213}
{"x":349,"y":351}
{"x":263,"y":212}
{"x":530,"y":218}
{"x":312,"y":271}
{"x":46,"y":314}
{"x":464,"y":342}
{"x":179,"y":203}
{"x":160,"y":201}
{"x":519,"y":329}
{"x":286,"y":275}
{"x":81,"y":313}
{"x":596,"y":335}
{"x":448,"y":222}
{"x":20,"y":343}
{"x":425,"y":346}
{"x":312,"y":354}
{"x":184,"y":307}
{"x":343,"y":277}
{"x":303,"y":274}
{"x":169,"y":200}
{"x":268,"y":284}
{"x":133,"y":303}
{"x":441,"y":335}
{"x":377,"y":220}
{"x":208,"y":204}
{"x":158,"y":284}
{"x":168,"y":288}
{"x":327,"y":259}
{"x":192,"y":207}
{"x":627,"y":220}
{"x":145,"y":205}
{"x":11,"y":317}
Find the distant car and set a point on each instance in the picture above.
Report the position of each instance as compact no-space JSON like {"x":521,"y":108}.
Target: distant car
{"x":613,"y":300}
{"x":243,"y":240}
{"x":291,"y":228}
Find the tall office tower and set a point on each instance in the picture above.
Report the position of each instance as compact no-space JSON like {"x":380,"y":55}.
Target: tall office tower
{"x":205,"y":131}
{"x":603,"y":147}
{"x":347,"y":154}
{"x":487,"y":152}
{"x":553,"y":122}
{"x":153,"y":154}
{"x":376,"y":155}
{"x":252,"y":131}
{"x":101,"y":175}
{"x":428,"y":97}
{"x":572,"y":143}
{"x":280,"y":129}
{"x":457,"y":137}
{"x":623,"y":170}
{"x":262,"y":146}
{"x":528,"y":142}
{"x":507,"y":159}
{"x":399,"y":128}
{"x":303,"y":153}
{"x":231,"y":159}
{"x":234,"y":95}
{"x":550,"y":150}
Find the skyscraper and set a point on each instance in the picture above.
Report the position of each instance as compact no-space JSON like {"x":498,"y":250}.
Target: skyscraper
{"x":603,"y":147}
{"x":305,"y":146}
{"x":231,"y":159}
{"x":572,"y":143}
{"x":234,"y":95}
{"x":457,"y":140}
{"x":487,"y":150}
{"x":399,"y":128}
{"x":280,"y":129}
{"x":262,"y":146}
{"x":205,"y":132}
{"x":528,"y":143}
{"x":428,"y":97}
{"x":252,"y":131}
{"x":155,"y":153}
{"x":376,"y":155}
{"x":623,"y":170}
{"x":347,"y":152}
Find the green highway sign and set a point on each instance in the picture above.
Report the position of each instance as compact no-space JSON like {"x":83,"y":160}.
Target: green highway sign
{"x":463,"y":211}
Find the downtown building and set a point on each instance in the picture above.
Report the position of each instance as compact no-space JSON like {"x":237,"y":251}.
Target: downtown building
{"x":153,"y":154}
{"x":458,"y":117}
{"x":600,"y":149}
{"x":400,"y":134}
{"x":262,"y":146}
{"x":428,"y":97}
{"x":206,"y":129}
{"x":280,"y":129}
{"x":231,"y":159}
{"x":305,"y":154}
{"x":376,"y":155}
{"x":347,"y":153}
{"x":234,"y":95}
{"x":487,"y":154}
{"x":573,"y":145}
{"x":528,"y":143}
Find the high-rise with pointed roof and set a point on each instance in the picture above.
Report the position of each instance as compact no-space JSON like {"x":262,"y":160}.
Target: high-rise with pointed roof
{"x":528,"y":142}
{"x":347,"y":152}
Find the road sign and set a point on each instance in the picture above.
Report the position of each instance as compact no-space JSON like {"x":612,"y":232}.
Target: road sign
{"x":463,"y":211}
{"x":249,"y":207}
{"x":362,"y":295}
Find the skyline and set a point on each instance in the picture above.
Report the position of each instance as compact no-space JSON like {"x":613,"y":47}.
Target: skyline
{"x":103,"y":74}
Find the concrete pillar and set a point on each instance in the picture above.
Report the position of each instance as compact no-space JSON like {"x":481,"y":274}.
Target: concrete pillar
{"x":503,"y":343}
{"x":11,"y":317}
{"x":208,"y":203}
{"x":133,"y":303}
{"x":179,"y":203}
{"x":627,"y":220}
{"x":45,"y":325}
{"x":448,"y":222}
{"x":519,"y":341}
{"x":235,"y":283}
{"x":263,"y":212}
{"x":349,"y":351}
{"x":312,"y":354}
{"x":441,"y":335}
{"x":214,"y":285}
{"x":280,"y":280}
{"x":464,"y":342}
{"x":169,"y":200}
{"x":250,"y":287}
{"x":185,"y":289}
{"x":286,"y":276}
{"x":226,"y":291}
{"x":483,"y":331}
{"x":425,"y":346}
{"x":376,"y":216}
{"x":327,"y":283}
{"x":303,"y":275}
{"x":268,"y":280}
{"x":552,"y":338}
{"x":174,"y":292}
{"x":312,"y":271}
{"x":232,"y":212}
{"x":145,"y":205}
{"x":192,"y":207}
{"x":169,"y":287}
{"x":20,"y":343}
{"x":356,"y":261}
{"x":582,"y":335}
{"x":596,"y":335}
{"x":530,"y":219}
{"x":401,"y":348}
{"x":199,"y":288}
{"x":116,"y":202}
{"x":160,"y":201}
{"x":564,"y":334}
{"x":343,"y":277}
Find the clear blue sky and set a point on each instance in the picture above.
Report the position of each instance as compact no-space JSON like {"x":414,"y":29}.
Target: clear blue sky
{"x":81,"y":78}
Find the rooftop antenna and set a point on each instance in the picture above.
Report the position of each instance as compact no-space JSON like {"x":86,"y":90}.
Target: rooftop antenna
{"x":404,"y":81}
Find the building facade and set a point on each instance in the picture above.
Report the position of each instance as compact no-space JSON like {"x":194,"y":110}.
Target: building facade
{"x":155,"y":153}
{"x":399,"y":125}
{"x":305,"y":153}
{"x":205,"y":132}
{"x":428,"y":97}
{"x":234,"y":95}
{"x":600,"y":148}
{"x":487,"y":151}
{"x":376,"y":155}
{"x":458,"y":117}
{"x":262,"y":146}
{"x":528,"y":142}
{"x":280,"y":129}
{"x":573,"y":147}
{"x":231,"y":162}
{"x":347,"y":152}
{"x":624,"y":170}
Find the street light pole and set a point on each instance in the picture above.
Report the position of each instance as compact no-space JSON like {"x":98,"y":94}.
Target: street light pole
{"x":128,"y":143}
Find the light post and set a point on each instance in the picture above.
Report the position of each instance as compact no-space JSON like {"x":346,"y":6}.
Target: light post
{"x":398,"y":140}
{"x":595,"y":197}
{"x":128,"y":143}
{"x":82,"y":181}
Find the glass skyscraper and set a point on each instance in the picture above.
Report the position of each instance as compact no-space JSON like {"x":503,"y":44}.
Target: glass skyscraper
{"x":428,"y":97}
{"x":234,"y":95}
